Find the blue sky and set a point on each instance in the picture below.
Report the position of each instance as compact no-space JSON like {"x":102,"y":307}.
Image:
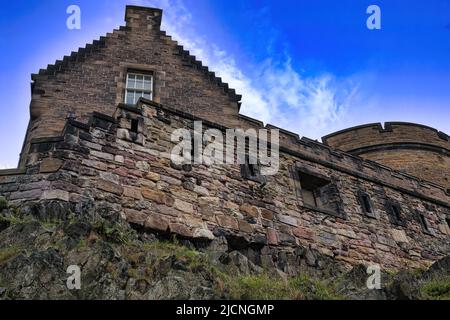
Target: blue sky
{"x":311,"y":67}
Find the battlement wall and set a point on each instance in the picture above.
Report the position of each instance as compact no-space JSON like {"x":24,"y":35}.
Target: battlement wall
{"x":111,"y":166}
{"x":419,"y":150}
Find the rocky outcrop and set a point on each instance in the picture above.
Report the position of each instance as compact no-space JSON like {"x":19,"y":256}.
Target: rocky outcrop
{"x":119,"y":261}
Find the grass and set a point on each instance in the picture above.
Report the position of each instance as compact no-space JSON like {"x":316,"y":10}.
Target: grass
{"x":436,"y":289}
{"x":9,"y":253}
{"x":14,"y":220}
{"x":266,"y":287}
{"x":3,"y":204}
{"x":113,"y":232}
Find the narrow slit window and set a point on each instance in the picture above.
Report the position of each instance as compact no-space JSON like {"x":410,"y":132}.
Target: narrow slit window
{"x":366,"y":204}
{"x":424,"y":223}
{"x":134,"y":125}
{"x":138,"y":85}
{"x":396,"y":212}
{"x":250,"y":169}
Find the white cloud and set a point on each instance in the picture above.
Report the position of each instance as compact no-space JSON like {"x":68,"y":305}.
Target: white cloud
{"x":275,"y":92}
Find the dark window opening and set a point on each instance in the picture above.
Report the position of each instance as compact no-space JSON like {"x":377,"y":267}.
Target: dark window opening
{"x":424,"y":223}
{"x":134,"y":125}
{"x":448,"y":222}
{"x":395,"y":213}
{"x":319,"y":192}
{"x":366,"y":204}
{"x":250,"y":169}
{"x":252,"y":172}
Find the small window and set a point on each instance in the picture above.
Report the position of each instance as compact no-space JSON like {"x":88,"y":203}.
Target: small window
{"x":250,"y":169}
{"x":319,"y":192}
{"x":134,"y":125}
{"x":395,"y":213}
{"x":366,"y":204}
{"x":138,"y":85}
{"x":424,"y":223}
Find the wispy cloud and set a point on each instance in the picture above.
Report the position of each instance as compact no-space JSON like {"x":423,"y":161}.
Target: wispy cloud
{"x":274,"y":92}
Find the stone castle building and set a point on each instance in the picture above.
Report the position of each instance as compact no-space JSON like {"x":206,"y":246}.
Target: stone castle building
{"x":99,"y":139}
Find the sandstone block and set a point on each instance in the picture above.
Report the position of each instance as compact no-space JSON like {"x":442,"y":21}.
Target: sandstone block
{"x":272,"y":236}
{"x":181,"y":230}
{"x":132,"y":192}
{"x":183,"y":206}
{"x":244,"y":226}
{"x":50,"y":165}
{"x":227,"y":222}
{"x":288,"y":220}
{"x":134,"y":216}
{"x":109,"y":186}
{"x":153,"y":176}
{"x":203,"y":234}
{"x":249,"y":210}
{"x":157,"y":222}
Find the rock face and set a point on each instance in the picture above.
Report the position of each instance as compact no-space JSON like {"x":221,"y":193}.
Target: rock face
{"x":120,"y":262}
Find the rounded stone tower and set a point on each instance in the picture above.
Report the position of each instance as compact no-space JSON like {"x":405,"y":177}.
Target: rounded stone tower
{"x":416,"y":149}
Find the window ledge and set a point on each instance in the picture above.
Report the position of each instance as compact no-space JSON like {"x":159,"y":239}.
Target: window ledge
{"x":325,"y":211}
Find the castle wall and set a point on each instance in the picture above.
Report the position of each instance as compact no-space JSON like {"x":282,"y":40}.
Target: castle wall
{"x":103,"y":167}
{"x":418,"y":150}
{"x":93,"y":79}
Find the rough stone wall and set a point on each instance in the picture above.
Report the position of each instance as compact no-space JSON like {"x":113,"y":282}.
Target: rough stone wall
{"x":416,"y":149}
{"x":93,"y":79}
{"x":102,"y":165}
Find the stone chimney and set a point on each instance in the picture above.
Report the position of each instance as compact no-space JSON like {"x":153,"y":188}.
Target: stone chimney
{"x":143,"y":17}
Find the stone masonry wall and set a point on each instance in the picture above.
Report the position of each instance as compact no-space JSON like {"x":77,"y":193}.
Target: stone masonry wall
{"x":105,"y":166}
{"x":418,"y":150}
{"x":93,"y":79}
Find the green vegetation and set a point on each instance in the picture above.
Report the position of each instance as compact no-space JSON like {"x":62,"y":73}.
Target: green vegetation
{"x":266,"y":287}
{"x":113,"y":231}
{"x":8,"y":253}
{"x":436,"y":289}
{"x":14,"y":220}
{"x":3,"y":204}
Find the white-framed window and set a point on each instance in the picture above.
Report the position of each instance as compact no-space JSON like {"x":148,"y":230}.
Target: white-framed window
{"x":138,"y":85}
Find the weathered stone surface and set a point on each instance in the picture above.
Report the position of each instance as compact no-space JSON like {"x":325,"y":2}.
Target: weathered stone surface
{"x":132,"y":192}
{"x":158,"y":223}
{"x":227,"y":222}
{"x":203,"y":234}
{"x":181,"y":230}
{"x":399,"y":235}
{"x":288,"y":220}
{"x":157,"y":196}
{"x":50,"y":165}
{"x":249,"y":210}
{"x":137,"y":217}
{"x":109,"y":186}
{"x":272,"y":236}
{"x":184,"y":206}
{"x":55,"y":195}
